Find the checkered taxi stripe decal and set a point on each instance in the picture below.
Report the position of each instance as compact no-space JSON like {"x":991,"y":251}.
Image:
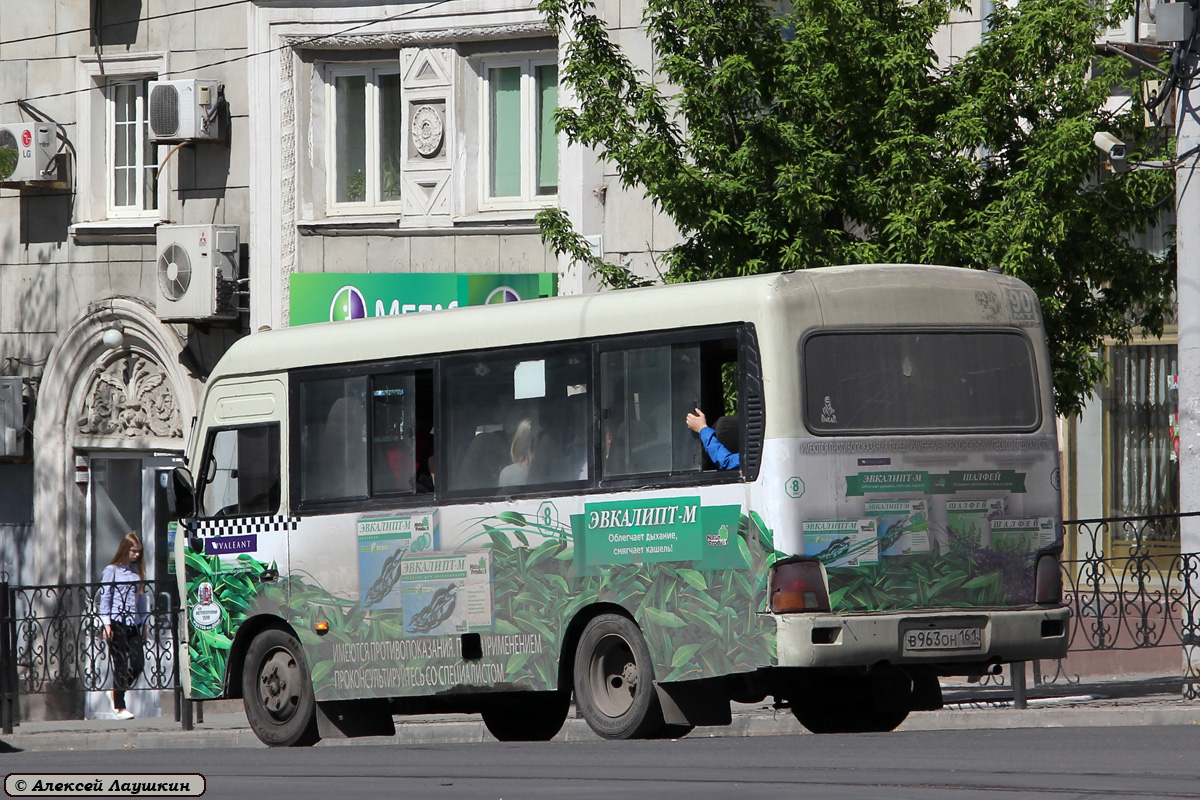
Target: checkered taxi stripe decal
{"x":243,"y":525}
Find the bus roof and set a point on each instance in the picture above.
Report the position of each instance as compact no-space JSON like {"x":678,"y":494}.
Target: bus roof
{"x":882,"y":293}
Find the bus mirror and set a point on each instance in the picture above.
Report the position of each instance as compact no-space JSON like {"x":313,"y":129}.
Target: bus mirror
{"x":181,"y":500}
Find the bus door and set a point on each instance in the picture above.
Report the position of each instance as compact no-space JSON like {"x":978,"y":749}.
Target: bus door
{"x":240,"y":541}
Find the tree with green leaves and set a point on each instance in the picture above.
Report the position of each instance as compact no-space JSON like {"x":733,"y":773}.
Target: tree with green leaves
{"x":828,"y":132}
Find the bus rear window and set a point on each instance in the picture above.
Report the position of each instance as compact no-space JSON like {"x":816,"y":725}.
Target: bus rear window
{"x":889,"y":381}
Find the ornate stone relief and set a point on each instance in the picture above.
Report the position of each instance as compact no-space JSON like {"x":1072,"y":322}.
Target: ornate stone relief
{"x":130,"y":396}
{"x":287,"y":188}
{"x":481,"y":33}
{"x":427,"y":67}
{"x":427,"y":130}
{"x":426,"y":193}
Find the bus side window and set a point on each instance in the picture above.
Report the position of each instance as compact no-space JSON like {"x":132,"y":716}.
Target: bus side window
{"x":517,"y":422}
{"x":641,"y":389}
{"x":333,"y":439}
{"x":401,"y":445}
{"x":242,"y":476}
{"x":645,"y":394}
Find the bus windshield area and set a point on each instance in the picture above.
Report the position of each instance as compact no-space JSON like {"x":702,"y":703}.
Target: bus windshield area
{"x":935,"y":381}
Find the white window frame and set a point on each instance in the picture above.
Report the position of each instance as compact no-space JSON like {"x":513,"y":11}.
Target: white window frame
{"x":371,"y":202}
{"x":141,"y":130}
{"x":94,"y":141}
{"x":528,"y":197}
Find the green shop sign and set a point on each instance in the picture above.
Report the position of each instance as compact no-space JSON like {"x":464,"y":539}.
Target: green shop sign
{"x":646,"y":531}
{"x":336,"y":296}
{"x":933,"y":483}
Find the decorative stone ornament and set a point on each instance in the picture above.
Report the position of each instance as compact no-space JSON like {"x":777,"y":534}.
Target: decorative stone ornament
{"x":427,"y":130}
{"x":130,"y":396}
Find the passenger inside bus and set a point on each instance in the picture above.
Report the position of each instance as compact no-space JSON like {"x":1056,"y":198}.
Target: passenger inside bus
{"x":522,"y":452}
{"x":720,"y":455}
{"x":614,"y":461}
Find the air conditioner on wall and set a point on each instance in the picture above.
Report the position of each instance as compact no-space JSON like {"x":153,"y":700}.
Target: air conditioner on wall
{"x":183,"y":110}
{"x":27,"y":152}
{"x":196,"y":272}
{"x":12,"y":418}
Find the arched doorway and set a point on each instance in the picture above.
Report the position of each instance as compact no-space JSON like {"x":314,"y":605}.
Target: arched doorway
{"x":113,"y":405}
{"x":112,"y":419}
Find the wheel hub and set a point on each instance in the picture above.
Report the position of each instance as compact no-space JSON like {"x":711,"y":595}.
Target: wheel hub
{"x":614,"y":676}
{"x":629,"y":675}
{"x":277,"y":685}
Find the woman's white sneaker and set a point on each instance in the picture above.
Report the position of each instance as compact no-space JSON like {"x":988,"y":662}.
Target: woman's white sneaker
{"x":124,"y":713}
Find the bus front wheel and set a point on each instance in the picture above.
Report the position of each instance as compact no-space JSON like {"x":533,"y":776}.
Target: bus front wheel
{"x":277,"y":691}
{"x":614,"y":680}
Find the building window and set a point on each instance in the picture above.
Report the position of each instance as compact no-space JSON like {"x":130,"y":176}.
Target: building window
{"x":365,"y":137}
{"x":522,"y":147}
{"x":1142,"y":429}
{"x":132,"y":158}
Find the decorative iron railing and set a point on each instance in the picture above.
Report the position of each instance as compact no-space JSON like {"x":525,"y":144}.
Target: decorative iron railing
{"x":52,"y":640}
{"x":1141,"y":595}
{"x":1130,"y":588}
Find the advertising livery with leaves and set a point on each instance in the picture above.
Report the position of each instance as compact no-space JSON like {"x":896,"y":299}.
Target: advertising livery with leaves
{"x":497,"y":509}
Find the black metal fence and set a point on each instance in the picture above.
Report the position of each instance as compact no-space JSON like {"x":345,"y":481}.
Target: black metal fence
{"x":52,"y":642}
{"x":1130,"y":588}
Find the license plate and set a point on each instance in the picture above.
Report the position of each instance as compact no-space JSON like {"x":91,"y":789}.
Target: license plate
{"x":925,"y":640}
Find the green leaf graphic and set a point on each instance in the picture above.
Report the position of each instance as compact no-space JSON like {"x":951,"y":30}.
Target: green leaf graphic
{"x":684,"y":654}
{"x":664,"y":618}
{"x":695,"y":578}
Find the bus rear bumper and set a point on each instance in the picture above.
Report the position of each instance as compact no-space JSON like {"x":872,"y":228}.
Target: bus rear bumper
{"x":936,"y":639}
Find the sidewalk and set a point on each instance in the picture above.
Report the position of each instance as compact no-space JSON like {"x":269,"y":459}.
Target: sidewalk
{"x":1151,"y":701}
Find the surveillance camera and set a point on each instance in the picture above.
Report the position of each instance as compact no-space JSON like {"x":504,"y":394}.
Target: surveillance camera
{"x":1112,"y":147}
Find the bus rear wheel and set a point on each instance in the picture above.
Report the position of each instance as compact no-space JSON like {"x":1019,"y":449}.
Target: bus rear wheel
{"x":528,"y":716}
{"x":277,"y":691}
{"x":614,"y":680}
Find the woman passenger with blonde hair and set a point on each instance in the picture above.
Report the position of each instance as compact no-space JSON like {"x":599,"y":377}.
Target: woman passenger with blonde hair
{"x":517,"y":473}
{"x":123,"y":612}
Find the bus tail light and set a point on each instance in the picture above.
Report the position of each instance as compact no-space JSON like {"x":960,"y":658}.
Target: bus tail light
{"x":1048,"y":581}
{"x":798,"y":584}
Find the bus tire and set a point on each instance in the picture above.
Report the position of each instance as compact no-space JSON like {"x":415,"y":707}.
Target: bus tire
{"x":614,"y":680}
{"x":527,"y":717}
{"x":277,"y":691}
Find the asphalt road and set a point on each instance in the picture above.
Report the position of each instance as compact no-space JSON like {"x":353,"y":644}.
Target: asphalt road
{"x":1075,"y":763}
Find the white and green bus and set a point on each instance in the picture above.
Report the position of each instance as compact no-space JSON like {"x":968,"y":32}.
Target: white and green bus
{"x":495,"y":509}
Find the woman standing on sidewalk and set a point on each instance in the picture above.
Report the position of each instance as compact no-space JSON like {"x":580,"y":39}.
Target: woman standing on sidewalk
{"x":123,"y":613}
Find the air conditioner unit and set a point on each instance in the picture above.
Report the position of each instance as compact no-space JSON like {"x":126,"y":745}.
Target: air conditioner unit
{"x":12,"y":418}
{"x":27,"y":152}
{"x":184,"y":110}
{"x":196,"y":272}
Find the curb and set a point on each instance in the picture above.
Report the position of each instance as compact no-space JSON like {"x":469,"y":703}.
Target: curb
{"x":459,"y":729}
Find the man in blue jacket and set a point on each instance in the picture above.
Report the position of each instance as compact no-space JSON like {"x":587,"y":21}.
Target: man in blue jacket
{"x":717,"y":452}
